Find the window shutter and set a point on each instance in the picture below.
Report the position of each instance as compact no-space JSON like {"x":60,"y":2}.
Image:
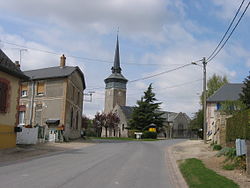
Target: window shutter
{"x":3,"y":96}
{"x":40,"y":88}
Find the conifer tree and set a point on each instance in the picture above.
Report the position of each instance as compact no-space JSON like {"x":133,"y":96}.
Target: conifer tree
{"x":146,"y":112}
{"x":245,"y":96}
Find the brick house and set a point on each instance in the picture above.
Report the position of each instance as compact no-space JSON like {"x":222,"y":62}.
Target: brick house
{"x":10,"y":75}
{"x":53,"y":98}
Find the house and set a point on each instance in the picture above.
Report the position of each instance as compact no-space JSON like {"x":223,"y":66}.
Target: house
{"x":228,"y":92}
{"x":176,"y":125}
{"x":10,"y":76}
{"x":53,"y":98}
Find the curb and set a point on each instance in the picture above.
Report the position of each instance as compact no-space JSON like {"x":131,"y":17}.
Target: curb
{"x":176,"y":177}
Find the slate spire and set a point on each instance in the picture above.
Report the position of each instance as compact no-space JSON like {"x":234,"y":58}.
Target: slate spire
{"x":116,"y":68}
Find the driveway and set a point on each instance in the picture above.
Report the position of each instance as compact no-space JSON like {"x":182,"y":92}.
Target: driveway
{"x":103,"y":165}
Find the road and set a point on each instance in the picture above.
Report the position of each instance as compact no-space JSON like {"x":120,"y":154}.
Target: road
{"x":103,"y":165}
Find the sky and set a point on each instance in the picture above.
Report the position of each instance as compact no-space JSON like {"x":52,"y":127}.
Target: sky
{"x":154,"y":35}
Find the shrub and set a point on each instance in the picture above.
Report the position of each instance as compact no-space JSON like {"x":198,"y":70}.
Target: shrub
{"x":148,"y":134}
{"x":229,"y":167}
{"x":217,"y":147}
{"x":224,"y":151}
{"x":131,"y":133}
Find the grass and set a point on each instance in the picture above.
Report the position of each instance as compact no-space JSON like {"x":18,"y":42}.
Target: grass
{"x":198,"y":176}
{"x":121,"y":138}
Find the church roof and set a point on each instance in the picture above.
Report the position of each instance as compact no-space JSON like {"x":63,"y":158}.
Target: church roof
{"x":116,"y":69}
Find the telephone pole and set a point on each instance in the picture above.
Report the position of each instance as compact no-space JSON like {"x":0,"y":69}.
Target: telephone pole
{"x":204,"y":62}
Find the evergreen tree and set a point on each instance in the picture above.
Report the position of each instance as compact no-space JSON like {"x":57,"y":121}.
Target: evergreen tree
{"x":146,"y":112}
{"x":245,"y":96}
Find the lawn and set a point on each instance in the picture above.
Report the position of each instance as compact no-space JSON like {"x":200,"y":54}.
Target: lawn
{"x":198,"y":176}
{"x":121,"y":138}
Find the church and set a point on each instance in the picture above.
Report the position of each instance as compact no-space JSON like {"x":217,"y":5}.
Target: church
{"x":115,"y":93}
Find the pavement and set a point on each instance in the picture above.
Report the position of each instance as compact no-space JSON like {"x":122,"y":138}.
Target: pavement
{"x":105,"y":165}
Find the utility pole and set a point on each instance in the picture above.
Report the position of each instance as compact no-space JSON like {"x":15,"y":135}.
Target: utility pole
{"x":204,"y":62}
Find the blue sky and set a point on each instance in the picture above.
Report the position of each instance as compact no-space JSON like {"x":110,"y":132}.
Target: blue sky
{"x":155,"y":36}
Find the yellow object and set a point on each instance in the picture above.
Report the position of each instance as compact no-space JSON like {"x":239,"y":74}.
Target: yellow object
{"x":152,"y":129}
{"x":40,"y":88}
{"x":7,"y":137}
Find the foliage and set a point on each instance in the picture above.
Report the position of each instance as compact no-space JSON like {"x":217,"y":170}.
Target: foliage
{"x":232,"y":107}
{"x":86,"y":122}
{"x":229,"y":166}
{"x":131,"y":133}
{"x":245,"y":96}
{"x":146,"y":112}
{"x":238,"y":126}
{"x":213,"y":84}
{"x":98,"y":122}
{"x":217,"y":147}
{"x":148,"y":134}
{"x":227,"y":151}
{"x":197,"y":123}
{"x":197,"y":175}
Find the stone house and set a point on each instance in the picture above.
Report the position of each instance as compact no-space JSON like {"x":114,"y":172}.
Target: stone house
{"x":176,"y":125}
{"x":53,"y":98}
{"x":10,"y":76}
{"x":216,"y":120}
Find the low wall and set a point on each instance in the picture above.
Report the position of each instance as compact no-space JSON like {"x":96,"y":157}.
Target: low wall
{"x":27,"y":136}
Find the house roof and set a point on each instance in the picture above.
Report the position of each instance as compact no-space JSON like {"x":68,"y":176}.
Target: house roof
{"x":169,"y":116}
{"x":127,"y":110}
{"x":54,"y":72}
{"x":228,"y":92}
{"x":6,"y":65}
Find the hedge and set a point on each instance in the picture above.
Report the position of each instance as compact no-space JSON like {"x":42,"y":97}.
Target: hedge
{"x":238,"y":126}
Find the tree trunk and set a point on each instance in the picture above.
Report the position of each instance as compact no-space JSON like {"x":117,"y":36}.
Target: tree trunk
{"x":106,"y":132}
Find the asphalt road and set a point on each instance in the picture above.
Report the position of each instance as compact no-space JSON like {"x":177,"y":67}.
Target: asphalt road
{"x":104,"y":165}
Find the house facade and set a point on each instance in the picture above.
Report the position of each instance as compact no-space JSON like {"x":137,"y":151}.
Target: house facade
{"x":216,"y":120}
{"x":10,"y":76}
{"x":53,"y":99}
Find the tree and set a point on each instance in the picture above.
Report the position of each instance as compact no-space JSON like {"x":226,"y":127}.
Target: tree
{"x":213,"y":84}
{"x":245,"y":96}
{"x":146,"y":112}
{"x":197,"y":123}
{"x":232,"y":107}
{"x":112,"y":121}
{"x":98,"y":122}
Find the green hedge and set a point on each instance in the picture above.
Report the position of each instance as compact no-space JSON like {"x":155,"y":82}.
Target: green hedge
{"x":148,"y":134}
{"x":238,"y":126}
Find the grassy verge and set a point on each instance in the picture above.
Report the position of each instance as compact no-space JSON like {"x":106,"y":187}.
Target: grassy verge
{"x":121,"y":138}
{"x":198,"y":176}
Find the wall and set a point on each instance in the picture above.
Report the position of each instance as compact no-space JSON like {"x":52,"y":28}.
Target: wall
{"x":113,"y":97}
{"x":27,"y":136}
{"x":211,"y":107}
{"x":74,"y":101}
{"x":9,"y":120}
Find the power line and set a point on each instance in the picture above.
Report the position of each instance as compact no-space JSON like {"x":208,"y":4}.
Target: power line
{"x":227,"y":30}
{"x":230,"y":33}
{"x":158,"y":74}
{"x":85,"y":58}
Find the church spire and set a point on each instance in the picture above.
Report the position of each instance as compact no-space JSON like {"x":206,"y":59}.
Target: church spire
{"x":116,"y":68}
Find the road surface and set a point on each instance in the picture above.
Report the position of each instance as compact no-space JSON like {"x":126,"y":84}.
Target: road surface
{"x":104,"y":165}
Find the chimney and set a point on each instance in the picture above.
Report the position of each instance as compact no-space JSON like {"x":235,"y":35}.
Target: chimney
{"x":17,"y":64}
{"x":63,"y":61}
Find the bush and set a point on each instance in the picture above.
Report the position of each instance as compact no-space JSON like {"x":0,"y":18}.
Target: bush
{"x":148,"y":134}
{"x":226,"y":151}
{"x":90,"y":133}
{"x":217,"y":147}
{"x":229,"y":167}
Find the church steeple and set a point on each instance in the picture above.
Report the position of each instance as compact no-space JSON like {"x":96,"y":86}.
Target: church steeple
{"x":116,"y":68}
{"x":115,"y":90}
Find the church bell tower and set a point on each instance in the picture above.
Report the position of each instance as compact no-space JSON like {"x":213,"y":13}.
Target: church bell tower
{"x":115,"y":90}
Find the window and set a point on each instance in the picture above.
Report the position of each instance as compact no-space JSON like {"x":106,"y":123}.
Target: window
{"x":71,"y":118}
{"x":4,"y":90}
{"x":24,"y":90}
{"x":40,"y":88}
{"x":22,"y":118}
{"x":77,"y":121}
